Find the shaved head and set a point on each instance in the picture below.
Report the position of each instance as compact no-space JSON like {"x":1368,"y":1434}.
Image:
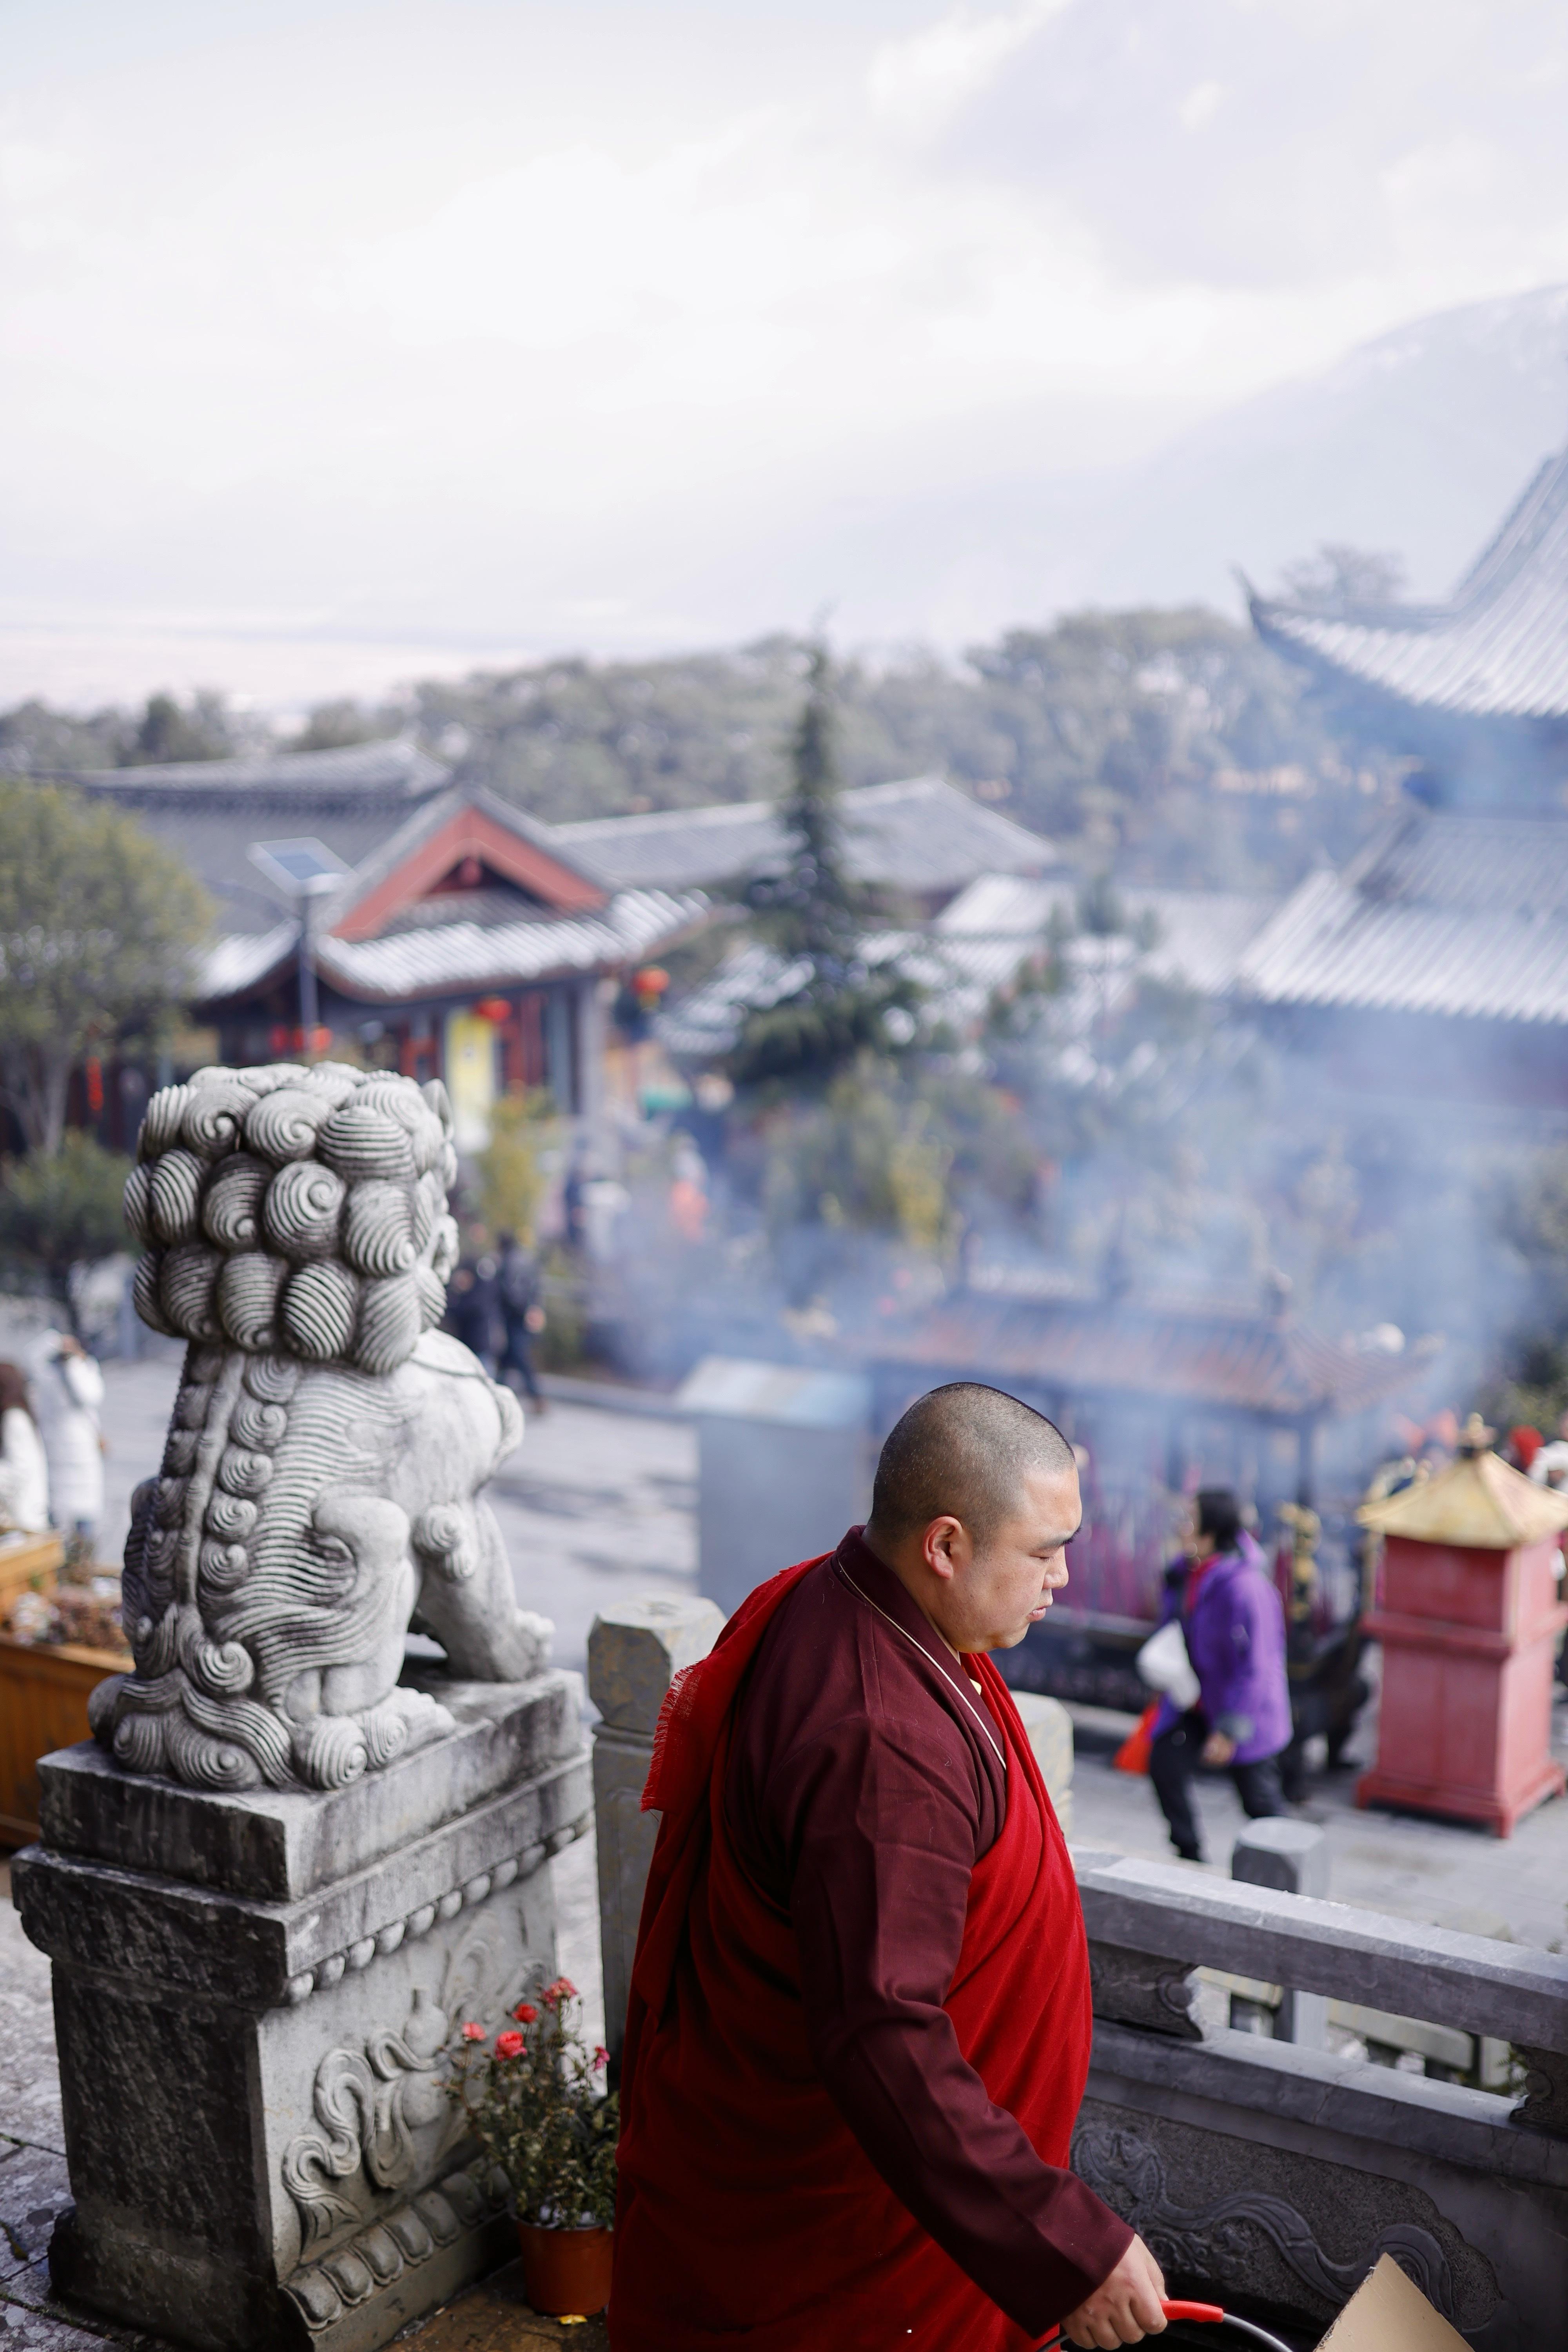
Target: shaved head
{"x":963,"y":1450}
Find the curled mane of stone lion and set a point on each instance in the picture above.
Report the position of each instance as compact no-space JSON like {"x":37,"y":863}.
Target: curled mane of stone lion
{"x":328,"y":1444}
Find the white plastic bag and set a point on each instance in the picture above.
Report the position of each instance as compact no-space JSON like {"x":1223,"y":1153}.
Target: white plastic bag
{"x":1163,"y":1663}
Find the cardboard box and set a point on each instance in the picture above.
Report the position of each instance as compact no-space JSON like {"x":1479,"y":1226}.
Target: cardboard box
{"x":1388,"y":2314}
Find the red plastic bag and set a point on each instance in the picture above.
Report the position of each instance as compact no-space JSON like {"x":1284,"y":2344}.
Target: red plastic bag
{"x":1133,"y":1756}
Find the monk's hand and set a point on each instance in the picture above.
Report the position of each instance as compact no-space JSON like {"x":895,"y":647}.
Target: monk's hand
{"x":1217,"y":1749}
{"x":1123,"y":2308}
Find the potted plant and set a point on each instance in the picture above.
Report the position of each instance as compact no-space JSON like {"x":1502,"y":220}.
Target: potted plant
{"x":535,"y":2102}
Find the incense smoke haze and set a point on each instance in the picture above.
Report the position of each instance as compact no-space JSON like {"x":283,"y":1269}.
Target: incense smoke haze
{"x":344,"y":340}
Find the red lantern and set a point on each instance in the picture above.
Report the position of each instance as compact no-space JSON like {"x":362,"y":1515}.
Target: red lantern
{"x":647,"y":986}
{"x":494,"y":1008}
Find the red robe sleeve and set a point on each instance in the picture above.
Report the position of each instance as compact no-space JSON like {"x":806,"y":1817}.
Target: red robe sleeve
{"x":869,"y":1826}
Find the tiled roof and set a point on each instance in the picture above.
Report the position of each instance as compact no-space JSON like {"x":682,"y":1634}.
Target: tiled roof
{"x":1498,"y":649}
{"x":1200,"y":936}
{"x":1193,"y":1354}
{"x":390,"y":771}
{"x":919,"y":835}
{"x":210,"y":811}
{"x":455,"y":956}
{"x":1462,"y":915}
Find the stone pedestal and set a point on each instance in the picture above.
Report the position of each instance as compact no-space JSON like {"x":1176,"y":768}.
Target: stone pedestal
{"x":633,"y":1654}
{"x":251,"y":1994}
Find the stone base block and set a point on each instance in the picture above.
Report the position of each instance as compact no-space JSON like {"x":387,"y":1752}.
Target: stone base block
{"x":261,"y":2147}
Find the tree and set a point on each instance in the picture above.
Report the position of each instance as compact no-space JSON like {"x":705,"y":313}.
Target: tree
{"x":840,"y":997}
{"x":511,"y":1179}
{"x":61,"y":1215}
{"x":169,"y":733}
{"x":98,"y":926}
{"x":334,"y":726}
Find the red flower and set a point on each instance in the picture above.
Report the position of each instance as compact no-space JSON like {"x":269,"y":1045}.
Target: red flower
{"x":509,"y":2046}
{"x":562,"y":1990}
{"x":472,"y":2033}
{"x":601,"y":2057}
{"x":525,"y":2013}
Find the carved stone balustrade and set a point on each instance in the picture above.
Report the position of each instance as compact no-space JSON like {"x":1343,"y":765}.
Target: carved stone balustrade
{"x":1272,"y":2174}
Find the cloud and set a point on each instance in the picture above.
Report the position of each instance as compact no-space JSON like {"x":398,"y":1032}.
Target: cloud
{"x":916,"y":83}
{"x":511,"y":316}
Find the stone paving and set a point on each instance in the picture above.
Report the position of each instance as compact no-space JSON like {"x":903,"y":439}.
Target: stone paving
{"x":599,"y":1506}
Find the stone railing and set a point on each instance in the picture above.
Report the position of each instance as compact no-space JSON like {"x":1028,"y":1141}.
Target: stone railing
{"x":1273,"y":2172}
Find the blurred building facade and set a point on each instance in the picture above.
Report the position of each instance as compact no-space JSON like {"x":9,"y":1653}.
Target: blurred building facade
{"x":453,"y":936}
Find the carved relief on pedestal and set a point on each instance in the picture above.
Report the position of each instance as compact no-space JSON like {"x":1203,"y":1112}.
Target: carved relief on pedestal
{"x":365,"y":2180}
{"x":320,"y":1474}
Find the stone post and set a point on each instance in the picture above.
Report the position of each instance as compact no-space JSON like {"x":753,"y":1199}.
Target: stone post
{"x":633,"y":1654}
{"x":252,"y":1992}
{"x":1049,"y":1727}
{"x":1293,"y":1857}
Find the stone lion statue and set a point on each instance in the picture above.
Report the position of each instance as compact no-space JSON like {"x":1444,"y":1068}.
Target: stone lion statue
{"x":320,"y":1479}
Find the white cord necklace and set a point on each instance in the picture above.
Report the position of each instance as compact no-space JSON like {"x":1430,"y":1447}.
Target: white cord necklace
{"x":941,"y":1670}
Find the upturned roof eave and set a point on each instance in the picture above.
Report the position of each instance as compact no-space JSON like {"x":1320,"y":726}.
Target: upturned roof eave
{"x":1479,"y":1503}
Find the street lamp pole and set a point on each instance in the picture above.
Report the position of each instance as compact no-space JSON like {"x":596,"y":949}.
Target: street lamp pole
{"x":314,"y":887}
{"x":302,"y":872}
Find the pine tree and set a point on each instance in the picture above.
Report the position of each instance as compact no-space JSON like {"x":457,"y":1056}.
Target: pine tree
{"x":837,"y":1000}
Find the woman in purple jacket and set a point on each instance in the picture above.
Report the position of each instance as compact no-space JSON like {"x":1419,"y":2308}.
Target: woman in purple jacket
{"x":1235,"y":1631}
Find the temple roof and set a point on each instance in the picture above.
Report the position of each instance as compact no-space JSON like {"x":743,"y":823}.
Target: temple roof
{"x":1454,"y":914}
{"x":1477,"y":1503}
{"x":919,"y":835}
{"x":1498,"y":648}
{"x":389,"y":775}
{"x":1195,"y":1353}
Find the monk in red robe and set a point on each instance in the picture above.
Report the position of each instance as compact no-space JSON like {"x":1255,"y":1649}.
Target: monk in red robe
{"x":859,"y":2024}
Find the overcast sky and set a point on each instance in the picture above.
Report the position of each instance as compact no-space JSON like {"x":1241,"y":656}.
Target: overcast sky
{"x":342,"y":340}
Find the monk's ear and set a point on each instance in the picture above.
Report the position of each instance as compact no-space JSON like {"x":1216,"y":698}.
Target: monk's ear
{"x":946,"y":1546}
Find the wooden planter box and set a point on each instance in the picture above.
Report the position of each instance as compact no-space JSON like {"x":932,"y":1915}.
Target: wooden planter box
{"x":43,"y":1693}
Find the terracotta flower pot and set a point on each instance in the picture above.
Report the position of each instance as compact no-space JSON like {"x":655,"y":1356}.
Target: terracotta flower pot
{"x":566,"y":2270}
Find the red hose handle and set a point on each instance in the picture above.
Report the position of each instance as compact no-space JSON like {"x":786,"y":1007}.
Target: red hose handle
{"x":1210,"y":2311}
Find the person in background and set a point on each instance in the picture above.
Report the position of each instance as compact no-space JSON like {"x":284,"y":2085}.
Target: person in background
{"x":1522,"y":1447}
{"x":67,"y":1398}
{"x":521,"y":1314}
{"x":1548,"y":1465}
{"x":24,"y":1472}
{"x":473,"y":1309}
{"x":1235,"y":1631}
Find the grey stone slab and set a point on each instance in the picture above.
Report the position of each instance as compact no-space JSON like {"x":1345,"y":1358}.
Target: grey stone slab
{"x":259,"y":1955}
{"x":1470,"y":1981}
{"x":636,"y":1650}
{"x":277,"y":1844}
{"x":34,"y":2319}
{"x":34,"y":2327}
{"x":29,"y":2078}
{"x":34,"y":2190}
{"x":1290,"y":1855}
